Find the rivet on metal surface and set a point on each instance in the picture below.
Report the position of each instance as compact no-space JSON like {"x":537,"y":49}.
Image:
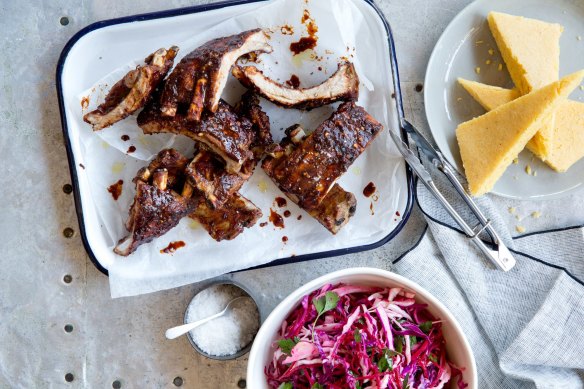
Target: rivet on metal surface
{"x":68,"y":232}
{"x":419,"y":87}
{"x":67,"y":278}
{"x":67,"y":188}
{"x":64,"y":21}
{"x":116,"y":384}
{"x":68,"y":328}
{"x":69,"y":377}
{"x":178,"y":381}
{"x":241,"y":383}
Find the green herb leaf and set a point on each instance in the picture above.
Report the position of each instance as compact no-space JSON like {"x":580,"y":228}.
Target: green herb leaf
{"x":413,"y":340}
{"x":319,"y":304}
{"x":317,"y":386}
{"x":433,"y":358}
{"x":399,"y":343}
{"x":357,"y":335}
{"x":385,"y":362}
{"x":332,"y":299}
{"x":406,"y":385}
{"x":286,"y":345}
{"x":357,"y":385}
{"x":425,"y":327}
{"x":286,"y":385}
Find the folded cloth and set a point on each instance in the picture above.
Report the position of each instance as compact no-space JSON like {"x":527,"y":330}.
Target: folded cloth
{"x":525,"y":326}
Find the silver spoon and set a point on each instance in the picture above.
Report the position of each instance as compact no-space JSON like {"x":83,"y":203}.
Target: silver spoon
{"x":177,"y":331}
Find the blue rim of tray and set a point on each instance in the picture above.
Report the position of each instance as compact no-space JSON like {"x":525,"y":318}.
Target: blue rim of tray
{"x":204,"y":8}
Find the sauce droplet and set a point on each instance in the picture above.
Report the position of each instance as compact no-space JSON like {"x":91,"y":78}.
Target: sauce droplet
{"x":369,"y":189}
{"x":276,"y":219}
{"x":299,"y":217}
{"x":116,"y":189}
{"x":263,"y":224}
{"x":125,"y":138}
{"x":287,"y":213}
{"x":172,"y":247}
{"x":281,"y":202}
{"x":371,"y":208}
{"x":284,"y":239}
{"x":293,"y":82}
{"x":397,"y":213}
{"x":131,"y":149}
{"x":305,"y":43}
{"x":85,"y":102}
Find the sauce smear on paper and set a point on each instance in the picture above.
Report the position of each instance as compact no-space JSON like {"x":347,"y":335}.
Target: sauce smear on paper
{"x":172,"y":247}
{"x":131,"y":149}
{"x":276,"y":219}
{"x":293,"y":82}
{"x":281,"y":202}
{"x":306,"y":42}
{"x":369,"y":189}
{"x":116,"y":189}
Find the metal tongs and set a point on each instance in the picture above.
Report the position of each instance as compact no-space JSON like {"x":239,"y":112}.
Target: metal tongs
{"x":500,"y":256}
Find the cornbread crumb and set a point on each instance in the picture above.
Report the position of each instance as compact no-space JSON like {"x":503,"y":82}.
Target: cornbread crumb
{"x":528,"y":169}
{"x":511,"y":210}
{"x":479,"y":42}
{"x":459,"y":99}
{"x":535,"y":214}
{"x":488,"y":62}
{"x":500,"y":67}
{"x":520,"y":229}
{"x":516,"y":161}
{"x":478,"y":70}
{"x":491,"y":51}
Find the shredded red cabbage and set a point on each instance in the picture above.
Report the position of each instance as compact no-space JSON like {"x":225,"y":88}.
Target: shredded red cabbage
{"x":347,"y":336}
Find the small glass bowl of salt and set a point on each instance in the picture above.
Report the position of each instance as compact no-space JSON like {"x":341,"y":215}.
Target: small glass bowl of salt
{"x":229,"y":336}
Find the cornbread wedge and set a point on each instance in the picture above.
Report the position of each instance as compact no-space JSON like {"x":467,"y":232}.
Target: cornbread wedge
{"x":531,"y":51}
{"x":569,"y":124}
{"x":489,"y":143}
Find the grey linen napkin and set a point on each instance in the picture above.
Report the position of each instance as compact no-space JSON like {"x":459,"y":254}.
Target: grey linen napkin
{"x":526,"y":326}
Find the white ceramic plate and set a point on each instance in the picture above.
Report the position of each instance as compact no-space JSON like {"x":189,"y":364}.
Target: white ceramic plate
{"x":457,"y":346}
{"x":459,"y":51}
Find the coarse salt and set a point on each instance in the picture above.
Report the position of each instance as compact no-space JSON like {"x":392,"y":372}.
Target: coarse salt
{"x":229,"y":333}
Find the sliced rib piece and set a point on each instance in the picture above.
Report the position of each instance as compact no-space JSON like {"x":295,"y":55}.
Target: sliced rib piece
{"x":337,"y":207}
{"x":308,"y":173}
{"x":199,"y":78}
{"x":133,"y":91}
{"x":224,"y":132}
{"x":208,"y":175}
{"x":335,"y":210}
{"x":157,"y":206}
{"x":250,"y":107}
{"x":227,"y":222}
{"x":343,"y":85}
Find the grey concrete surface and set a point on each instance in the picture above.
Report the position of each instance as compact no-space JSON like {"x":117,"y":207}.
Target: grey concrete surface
{"x":123,"y":340}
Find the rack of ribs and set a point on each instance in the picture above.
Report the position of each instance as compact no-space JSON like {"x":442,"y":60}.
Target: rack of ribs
{"x":224,"y":132}
{"x":311,"y":169}
{"x":133,"y":90}
{"x":337,"y":207}
{"x":343,"y":85}
{"x":157,"y":207}
{"x":197,"y":81}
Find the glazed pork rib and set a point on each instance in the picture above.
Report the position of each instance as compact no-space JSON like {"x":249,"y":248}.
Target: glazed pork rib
{"x":228,"y":221}
{"x":133,"y":91}
{"x":157,"y":207}
{"x":337,"y":207}
{"x":250,"y":107}
{"x":309,"y":171}
{"x":208,"y":175}
{"x":343,"y":85}
{"x":199,"y":78}
{"x":224,"y":132}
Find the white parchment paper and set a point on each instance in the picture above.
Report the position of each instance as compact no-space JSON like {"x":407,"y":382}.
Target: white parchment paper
{"x":343,"y":31}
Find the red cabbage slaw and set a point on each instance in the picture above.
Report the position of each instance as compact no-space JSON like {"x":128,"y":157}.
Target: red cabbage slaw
{"x":349,"y":336}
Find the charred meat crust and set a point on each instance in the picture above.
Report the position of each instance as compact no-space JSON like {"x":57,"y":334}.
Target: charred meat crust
{"x":309,"y":171}
{"x":157,"y":207}
{"x":337,"y":207}
{"x":197,"y":81}
{"x":208,"y":175}
{"x":228,"y":221}
{"x":133,"y":90}
{"x":224,"y":132}
{"x":343,"y":85}
{"x":250,"y":107}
